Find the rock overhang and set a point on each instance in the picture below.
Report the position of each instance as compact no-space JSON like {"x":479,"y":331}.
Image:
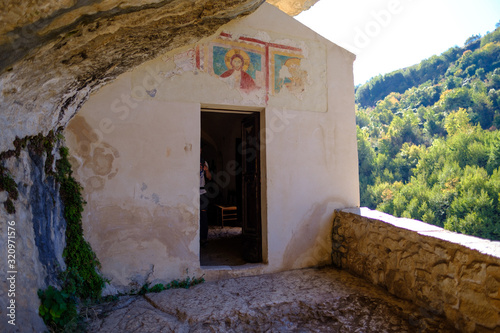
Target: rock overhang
{"x":55,"y":54}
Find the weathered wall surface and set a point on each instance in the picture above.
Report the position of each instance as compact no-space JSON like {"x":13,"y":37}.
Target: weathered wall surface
{"x":141,"y":216}
{"x":51,"y":63}
{"x":37,"y":239}
{"x":135,"y":147}
{"x":451,"y":274}
{"x":54,"y":54}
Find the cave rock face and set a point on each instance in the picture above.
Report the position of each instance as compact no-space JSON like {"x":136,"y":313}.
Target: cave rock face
{"x":53,"y":54}
{"x":36,"y":234}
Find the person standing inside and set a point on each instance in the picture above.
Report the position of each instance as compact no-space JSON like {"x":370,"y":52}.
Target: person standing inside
{"x":204,"y":175}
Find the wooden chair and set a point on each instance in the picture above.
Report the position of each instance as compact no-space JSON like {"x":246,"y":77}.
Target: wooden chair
{"x":226,"y":213}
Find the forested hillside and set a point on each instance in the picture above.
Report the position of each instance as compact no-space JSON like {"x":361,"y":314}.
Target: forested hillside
{"x":428,"y":139}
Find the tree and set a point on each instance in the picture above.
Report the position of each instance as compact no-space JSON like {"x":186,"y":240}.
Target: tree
{"x":432,"y":151}
{"x":482,"y":111}
{"x":366,"y":157}
{"x":472,"y":39}
{"x":457,"y":121}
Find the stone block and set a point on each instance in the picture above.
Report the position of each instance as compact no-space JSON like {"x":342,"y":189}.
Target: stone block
{"x":440,"y":269}
{"x":426,"y":257}
{"x":442,"y":252}
{"x":293,"y":7}
{"x":426,"y":244}
{"x":492,"y":287}
{"x":390,"y":243}
{"x":461,"y":256}
{"x":469,"y":288}
{"x":452,"y":314}
{"x":478,"y":308}
{"x":474,"y":272}
{"x":493,"y":271}
{"x":406,"y":264}
{"x":448,"y":286}
{"x":496,"y":304}
{"x":399,"y":287}
{"x":445,"y":272}
{"x":451,"y":300}
{"x":422,"y":275}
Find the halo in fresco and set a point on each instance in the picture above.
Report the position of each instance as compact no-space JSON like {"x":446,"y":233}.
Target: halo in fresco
{"x":229,"y":55}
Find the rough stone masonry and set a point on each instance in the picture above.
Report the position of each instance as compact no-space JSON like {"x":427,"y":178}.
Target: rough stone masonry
{"x":451,"y":274}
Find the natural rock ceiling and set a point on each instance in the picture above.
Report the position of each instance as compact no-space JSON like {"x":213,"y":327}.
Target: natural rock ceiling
{"x":53,"y":54}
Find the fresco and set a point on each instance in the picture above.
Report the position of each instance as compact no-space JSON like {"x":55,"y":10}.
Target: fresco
{"x":258,"y":69}
{"x":236,"y":67}
{"x":251,"y":64}
{"x":290,"y":75}
{"x":248,"y":64}
{"x":238,"y":62}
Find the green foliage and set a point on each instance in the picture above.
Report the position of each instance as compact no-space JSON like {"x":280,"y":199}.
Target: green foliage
{"x":366,"y":157}
{"x":428,"y":144}
{"x":57,"y":308}
{"x":38,"y":144}
{"x":472,"y":39}
{"x":8,"y":184}
{"x":81,"y":279}
{"x":457,"y":121}
{"x":458,"y":63}
{"x":9,"y":206}
{"x":491,"y":37}
{"x":174,"y":284}
{"x":157,"y":288}
{"x":78,"y":254}
{"x":188,"y":282}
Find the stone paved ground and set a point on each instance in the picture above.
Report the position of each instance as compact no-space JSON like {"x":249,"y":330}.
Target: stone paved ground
{"x":309,"y":300}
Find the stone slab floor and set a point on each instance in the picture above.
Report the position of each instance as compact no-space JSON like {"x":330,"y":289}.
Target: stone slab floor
{"x":224,"y":247}
{"x":308,"y":300}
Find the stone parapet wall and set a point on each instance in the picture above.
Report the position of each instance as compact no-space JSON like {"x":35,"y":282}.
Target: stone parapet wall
{"x":449,"y":274}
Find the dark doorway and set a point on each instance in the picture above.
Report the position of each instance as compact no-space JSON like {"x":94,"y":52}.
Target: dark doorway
{"x":231,"y":146}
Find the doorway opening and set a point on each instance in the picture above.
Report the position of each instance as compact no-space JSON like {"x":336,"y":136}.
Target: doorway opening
{"x":231,"y":146}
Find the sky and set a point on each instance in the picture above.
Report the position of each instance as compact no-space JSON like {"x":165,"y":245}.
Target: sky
{"x":387,"y":35}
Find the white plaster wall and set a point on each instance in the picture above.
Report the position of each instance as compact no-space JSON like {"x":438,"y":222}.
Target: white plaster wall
{"x":140,"y":180}
{"x":140,"y":170}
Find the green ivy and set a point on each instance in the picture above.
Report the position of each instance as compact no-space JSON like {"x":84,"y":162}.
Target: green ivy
{"x":39,"y":144}
{"x":9,"y":206}
{"x":58,"y":308}
{"x":81,"y":280}
{"x":8,"y":184}
{"x":174,"y":284}
{"x":78,"y":255}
